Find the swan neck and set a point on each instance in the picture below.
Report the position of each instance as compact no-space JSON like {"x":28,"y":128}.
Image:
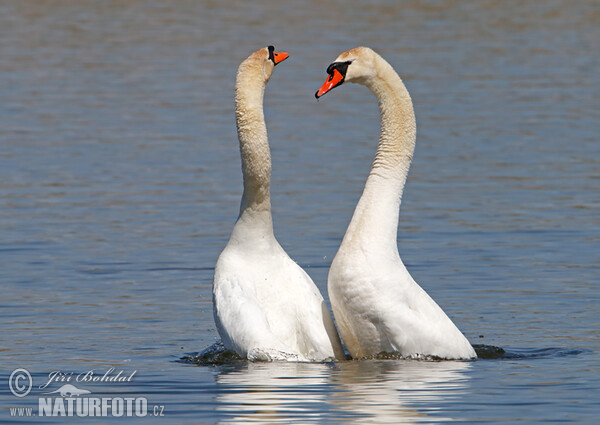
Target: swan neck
{"x":398,"y":126}
{"x":376,"y":215}
{"x":254,"y":144}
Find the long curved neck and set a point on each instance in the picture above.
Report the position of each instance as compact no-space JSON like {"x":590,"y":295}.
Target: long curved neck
{"x":254,"y":149}
{"x":375,"y":219}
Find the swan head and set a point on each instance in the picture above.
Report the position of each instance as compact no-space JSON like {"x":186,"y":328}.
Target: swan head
{"x":263,"y":61}
{"x":353,"y":66}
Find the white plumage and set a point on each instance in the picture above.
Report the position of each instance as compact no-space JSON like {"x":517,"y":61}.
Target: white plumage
{"x":377,"y":305}
{"x":265,"y":306}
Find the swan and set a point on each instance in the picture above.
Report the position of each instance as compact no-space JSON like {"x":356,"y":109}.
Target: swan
{"x":377,"y":305}
{"x":265,"y":306}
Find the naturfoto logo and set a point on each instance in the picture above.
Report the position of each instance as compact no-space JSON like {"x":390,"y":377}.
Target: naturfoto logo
{"x":71,"y":400}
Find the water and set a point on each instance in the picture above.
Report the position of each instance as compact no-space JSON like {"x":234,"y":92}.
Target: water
{"x":120,"y":183}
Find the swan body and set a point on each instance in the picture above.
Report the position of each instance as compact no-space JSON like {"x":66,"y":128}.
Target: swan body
{"x":265,"y":306}
{"x":377,"y":305}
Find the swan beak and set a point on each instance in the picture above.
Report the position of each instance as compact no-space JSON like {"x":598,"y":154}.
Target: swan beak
{"x":335,"y":79}
{"x":280,"y":57}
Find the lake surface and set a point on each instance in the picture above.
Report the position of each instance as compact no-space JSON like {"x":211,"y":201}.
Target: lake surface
{"x":120,"y":182}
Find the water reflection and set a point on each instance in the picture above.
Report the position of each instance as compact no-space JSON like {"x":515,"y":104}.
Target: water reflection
{"x":273,"y":392}
{"x":397,"y":391}
{"x":348,"y":392}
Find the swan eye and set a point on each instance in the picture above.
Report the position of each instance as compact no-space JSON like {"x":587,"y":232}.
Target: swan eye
{"x":337,"y":75}
{"x":341,"y":67}
{"x":271,"y":53}
{"x":277,"y":57}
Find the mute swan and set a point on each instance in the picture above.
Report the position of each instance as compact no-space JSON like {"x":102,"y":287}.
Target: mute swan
{"x":265,"y":306}
{"x":377,"y":305}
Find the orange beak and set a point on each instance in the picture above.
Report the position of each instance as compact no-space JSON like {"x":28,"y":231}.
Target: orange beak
{"x":280,"y":57}
{"x":335,"y":79}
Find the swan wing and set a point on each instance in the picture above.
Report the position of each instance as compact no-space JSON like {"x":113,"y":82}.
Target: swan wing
{"x":240,"y":318}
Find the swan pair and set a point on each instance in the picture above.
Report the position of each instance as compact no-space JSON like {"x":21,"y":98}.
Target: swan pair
{"x":265,"y":306}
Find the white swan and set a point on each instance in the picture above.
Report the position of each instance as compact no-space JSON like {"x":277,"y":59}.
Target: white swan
{"x":377,"y":305}
{"x":265,"y":306}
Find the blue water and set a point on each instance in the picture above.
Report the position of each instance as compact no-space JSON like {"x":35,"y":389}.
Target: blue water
{"x":120,"y":182}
